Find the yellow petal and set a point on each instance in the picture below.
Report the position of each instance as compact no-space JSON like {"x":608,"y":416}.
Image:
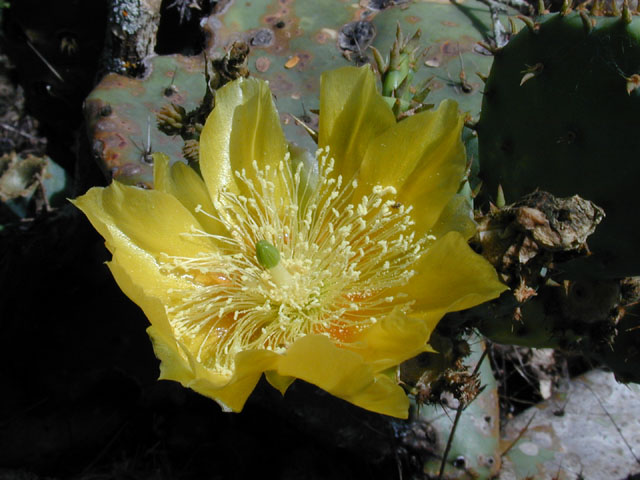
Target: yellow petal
{"x":150,"y":220}
{"x":344,"y":374}
{"x":138,"y":276}
{"x":302,"y":158}
{"x":279,"y":382}
{"x":352,"y":114}
{"x":392,"y":340}
{"x":232,"y":393}
{"x":162,"y":174}
{"x":143,"y":272}
{"x":177,"y":364}
{"x":450,"y":277}
{"x":242,"y":128}
{"x":457,"y":216}
{"x":187,"y":186}
{"x":423,"y":157}
{"x":173,"y":364}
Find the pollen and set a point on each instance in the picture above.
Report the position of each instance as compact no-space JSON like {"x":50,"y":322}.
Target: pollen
{"x":299,"y":257}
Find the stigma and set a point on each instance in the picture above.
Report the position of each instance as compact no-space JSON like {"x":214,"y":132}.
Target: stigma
{"x":269,"y":257}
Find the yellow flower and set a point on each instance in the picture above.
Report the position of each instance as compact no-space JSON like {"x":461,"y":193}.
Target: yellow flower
{"x":331,"y":269}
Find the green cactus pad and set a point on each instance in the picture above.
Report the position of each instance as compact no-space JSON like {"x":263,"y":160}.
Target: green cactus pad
{"x":304,"y":40}
{"x":291,"y":43}
{"x":121,"y":115}
{"x":560,"y":114}
{"x":475,"y":448}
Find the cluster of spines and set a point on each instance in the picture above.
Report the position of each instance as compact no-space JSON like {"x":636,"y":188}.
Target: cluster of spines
{"x":598,"y":8}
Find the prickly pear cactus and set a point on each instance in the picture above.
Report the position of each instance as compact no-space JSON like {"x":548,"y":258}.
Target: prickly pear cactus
{"x":294,"y":42}
{"x":560,"y":113}
{"x":121,"y":115}
{"x":291,"y":44}
{"x":475,"y":449}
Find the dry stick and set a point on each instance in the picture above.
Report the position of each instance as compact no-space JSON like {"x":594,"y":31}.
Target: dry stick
{"x":524,"y":429}
{"x":613,"y":422}
{"x":398,"y":465}
{"x":44,"y":60}
{"x":19,"y":132}
{"x":461,"y":407}
{"x":105,"y":449}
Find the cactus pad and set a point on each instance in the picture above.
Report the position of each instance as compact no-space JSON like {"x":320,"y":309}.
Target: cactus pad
{"x":559,"y":114}
{"x":291,"y":43}
{"x":294,"y":42}
{"x":121,"y":115}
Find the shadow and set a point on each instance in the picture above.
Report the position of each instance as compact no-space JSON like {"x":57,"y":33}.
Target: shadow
{"x":475,"y":20}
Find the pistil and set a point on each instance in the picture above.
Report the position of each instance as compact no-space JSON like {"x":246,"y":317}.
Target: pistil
{"x":269,"y":258}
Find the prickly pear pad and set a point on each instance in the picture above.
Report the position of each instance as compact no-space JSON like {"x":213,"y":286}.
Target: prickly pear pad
{"x":559,"y":114}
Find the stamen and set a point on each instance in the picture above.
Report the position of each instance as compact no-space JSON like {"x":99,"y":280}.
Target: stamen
{"x":302,"y":256}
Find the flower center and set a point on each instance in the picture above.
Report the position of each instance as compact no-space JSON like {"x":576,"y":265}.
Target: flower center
{"x":301,"y":256}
